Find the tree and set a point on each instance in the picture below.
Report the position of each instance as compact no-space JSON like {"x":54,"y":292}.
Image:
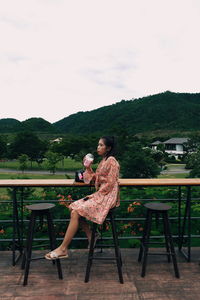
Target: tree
{"x":193,"y":162}
{"x":192,"y":158}
{"x":23,"y":161}
{"x":52,"y":159}
{"x":3,"y":147}
{"x":193,"y":144}
{"x":137,"y":162}
{"x":158,"y":157}
{"x":161,"y":147}
{"x":27,"y":143}
{"x":75,"y":146}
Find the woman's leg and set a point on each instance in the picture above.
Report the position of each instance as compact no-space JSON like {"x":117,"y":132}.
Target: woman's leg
{"x":69,"y":234}
{"x":86,"y":228}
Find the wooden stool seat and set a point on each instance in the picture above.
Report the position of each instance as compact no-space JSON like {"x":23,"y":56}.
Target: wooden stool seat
{"x":40,"y":206}
{"x":157,"y":206}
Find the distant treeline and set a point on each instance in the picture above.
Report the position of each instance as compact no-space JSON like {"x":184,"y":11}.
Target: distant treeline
{"x":162,"y":113}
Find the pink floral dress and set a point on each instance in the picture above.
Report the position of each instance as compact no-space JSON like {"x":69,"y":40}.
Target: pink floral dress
{"x":106,"y":196}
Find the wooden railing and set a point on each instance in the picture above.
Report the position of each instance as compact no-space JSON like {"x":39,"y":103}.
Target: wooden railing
{"x":183,"y":221}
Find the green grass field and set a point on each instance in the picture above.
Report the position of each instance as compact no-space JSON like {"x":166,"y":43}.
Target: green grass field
{"x":179,"y":175}
{"x":67,"y":164}
{"x":31,"y":176}
{"x":20,"y":175}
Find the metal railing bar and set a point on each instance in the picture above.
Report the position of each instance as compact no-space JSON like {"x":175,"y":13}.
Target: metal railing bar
{"x":104,"y":238}
{"x":117,"y":219}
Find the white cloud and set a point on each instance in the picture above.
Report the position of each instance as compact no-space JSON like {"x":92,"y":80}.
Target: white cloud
{"x":59,"y":57}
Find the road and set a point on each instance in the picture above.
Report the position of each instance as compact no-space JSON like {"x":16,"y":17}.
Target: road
{"x":5,"y":170}
{"x":171,"y":169}
{"x":175,"y":169}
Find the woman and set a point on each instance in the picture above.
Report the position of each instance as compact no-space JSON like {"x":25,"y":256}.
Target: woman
{"x":96,"y":206}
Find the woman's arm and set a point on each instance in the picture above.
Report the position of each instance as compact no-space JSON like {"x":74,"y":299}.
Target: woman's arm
{"x":112,"y":177}
{"x":89,"y":175}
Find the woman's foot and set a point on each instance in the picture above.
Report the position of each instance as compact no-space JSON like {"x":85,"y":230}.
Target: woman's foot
{"x":58,"y":253}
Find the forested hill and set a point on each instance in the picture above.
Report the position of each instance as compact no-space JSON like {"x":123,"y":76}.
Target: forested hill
{"x":10,"y":125}
{"x":37,"y":125}
{"x":165,"y":111}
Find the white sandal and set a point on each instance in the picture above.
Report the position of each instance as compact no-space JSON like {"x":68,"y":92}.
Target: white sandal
{"x":53,"y":255}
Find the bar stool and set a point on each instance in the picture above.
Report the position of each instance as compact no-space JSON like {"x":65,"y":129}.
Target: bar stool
{"x":157,"y":209}
{"x":39,"y":210}
{"x":115,"y":244}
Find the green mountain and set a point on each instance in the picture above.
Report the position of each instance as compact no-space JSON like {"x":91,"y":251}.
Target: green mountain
{"x":38,"y":125}
{"x":164,"y":111}
{"x":10,"y":125}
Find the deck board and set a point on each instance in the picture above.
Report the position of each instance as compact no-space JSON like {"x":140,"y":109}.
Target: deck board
{"x":159,"y":282}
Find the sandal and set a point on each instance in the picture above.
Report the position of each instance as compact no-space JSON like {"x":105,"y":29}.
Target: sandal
{"x":53,"y":255}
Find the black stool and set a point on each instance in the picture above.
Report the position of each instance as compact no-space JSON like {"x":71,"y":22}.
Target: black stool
{"x":39,"y":210}
{"x":157,"y":209}
{"x":115,"y":245}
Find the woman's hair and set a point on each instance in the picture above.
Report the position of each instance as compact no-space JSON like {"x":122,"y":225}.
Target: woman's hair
{"x":110,"y":141}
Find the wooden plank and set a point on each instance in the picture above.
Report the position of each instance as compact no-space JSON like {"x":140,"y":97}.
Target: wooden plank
{"x":159,"y":182}
{"x":122,"y":182}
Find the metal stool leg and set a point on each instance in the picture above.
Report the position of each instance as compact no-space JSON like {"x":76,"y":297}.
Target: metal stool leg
{"x":29,"y":247}
{"x":146,"y":242}
{"x":52,"y":239}
{"x":117,"y":251}
{"x":166,"y":239}
{"x":91,"y":253}
{"x":173,"y":254}
{"x":27,"y":243}
{"x":143,"y":239}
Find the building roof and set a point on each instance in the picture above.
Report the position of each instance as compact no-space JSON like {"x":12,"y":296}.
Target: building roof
{"x":58,"y":140}
{"x":156,"y":143}
{"x":176,"y":141}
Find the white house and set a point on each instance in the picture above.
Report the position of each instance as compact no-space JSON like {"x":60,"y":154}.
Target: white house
{"x":175,"y":146}
{"x":155,"y":144}
{"x":58,"y":140}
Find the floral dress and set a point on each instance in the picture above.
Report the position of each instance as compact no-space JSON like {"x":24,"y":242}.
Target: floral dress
{"x":106,"y":196}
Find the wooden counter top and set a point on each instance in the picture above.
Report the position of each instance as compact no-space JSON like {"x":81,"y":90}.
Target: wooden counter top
{"x":122,"y":182}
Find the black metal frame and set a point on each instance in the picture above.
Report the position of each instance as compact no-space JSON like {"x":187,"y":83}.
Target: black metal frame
{"x":145,"y":241}
{"x":17,"y":243}
{"x":117,"y":257}
{"x":184,"y":223}
{"x":26,"y":259}
{"x":182,"y":229}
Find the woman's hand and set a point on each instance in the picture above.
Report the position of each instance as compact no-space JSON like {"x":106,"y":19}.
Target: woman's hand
{"x":87,"y":163}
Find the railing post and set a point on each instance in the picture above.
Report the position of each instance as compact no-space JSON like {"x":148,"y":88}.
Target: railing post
{"x":189,"y":222}
{"x":179,"y":217}
{"x":187,"y":217}
{"x":16,"y":229}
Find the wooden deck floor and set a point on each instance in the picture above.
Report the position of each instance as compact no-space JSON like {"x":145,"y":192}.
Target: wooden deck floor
{"x":159,"y":282}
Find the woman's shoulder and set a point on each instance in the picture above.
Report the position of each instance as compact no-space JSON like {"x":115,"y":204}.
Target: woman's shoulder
{"x":112,"y":159}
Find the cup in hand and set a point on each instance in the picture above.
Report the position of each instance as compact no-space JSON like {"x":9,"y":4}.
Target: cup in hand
{"x":88,"y":160}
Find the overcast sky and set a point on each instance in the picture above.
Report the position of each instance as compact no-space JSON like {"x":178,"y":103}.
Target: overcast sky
{"x":58,"y":57}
